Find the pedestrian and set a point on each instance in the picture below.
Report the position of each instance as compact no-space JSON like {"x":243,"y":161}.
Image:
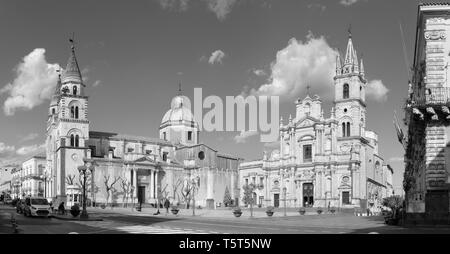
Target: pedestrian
{"x":51,"y":205}
{"x":167,"y":205}
{"x":62,"y":208}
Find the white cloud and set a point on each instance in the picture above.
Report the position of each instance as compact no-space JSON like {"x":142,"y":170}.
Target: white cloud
{"x":348,"y":2}
{"x":216,"y":57}
{"x":5,"y":149}
{"x":244,"y":135}
{"x":26,"y":150}
{"x":300,"y":64}
{"x":97,"y":83}
{"x":259,"y":72}
{"x":34,"y":83}
{"x":174,"y":5}
{"x":29,"y":137}
{"x":377,"y":91}
{"x":221,"y":7}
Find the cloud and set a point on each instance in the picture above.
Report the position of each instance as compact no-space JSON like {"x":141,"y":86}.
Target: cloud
{"x":97,"y":83}
{"x":34,"y":83}
{"x":300,"y":64}
{"x":216,"y":57}
{"x":174,"y":5}
{"x":221,"y":7}
{"x":377,"y":91}
{"x":5,"y":149}
{"x":259,"y":72}
{"x":27,"y":150}
{"x":348,"y":2}
{"x":244,"y":135}
{"x":29,"y":137}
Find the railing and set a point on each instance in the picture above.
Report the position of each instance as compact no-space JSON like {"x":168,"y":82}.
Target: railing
{"x":435,"y":95}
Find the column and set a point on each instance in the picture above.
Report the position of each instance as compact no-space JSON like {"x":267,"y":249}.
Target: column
{"x":156,"y":184}
{"x":152,"y":184}
{"x":232,"y":186}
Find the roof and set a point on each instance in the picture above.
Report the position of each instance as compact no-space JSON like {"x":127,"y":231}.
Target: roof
{"x":72,"y":72}
{"x":118,"y":136}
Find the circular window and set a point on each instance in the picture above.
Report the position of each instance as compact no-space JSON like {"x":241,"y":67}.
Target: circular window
{"x":345,"y":110}
{"x":201,"y":155}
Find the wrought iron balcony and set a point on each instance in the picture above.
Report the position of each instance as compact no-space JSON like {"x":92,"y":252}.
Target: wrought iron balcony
{"x":435,"y":96}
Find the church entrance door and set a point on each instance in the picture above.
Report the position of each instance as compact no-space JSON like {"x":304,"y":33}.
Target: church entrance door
{"x":141,"y":194}
{"x":276,"y":200}
{"x":308,"y":194}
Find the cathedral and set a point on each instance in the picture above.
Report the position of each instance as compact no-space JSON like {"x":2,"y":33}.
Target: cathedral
{"x":325,"y":162}
{"x":124,"y":169}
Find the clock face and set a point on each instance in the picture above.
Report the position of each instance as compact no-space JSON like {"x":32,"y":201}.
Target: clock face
{"x":74,"y":157}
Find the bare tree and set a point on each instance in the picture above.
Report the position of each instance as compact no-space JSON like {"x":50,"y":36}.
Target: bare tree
{"x":109,"y":187}
{"x":175,"y":187}
{"x":70,"y":179}
{"x":186,"y":193}
{"x":126,"y":187}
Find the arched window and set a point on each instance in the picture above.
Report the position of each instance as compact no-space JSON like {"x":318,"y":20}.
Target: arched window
{"x":343,"y":129}
{"x":72,"y":140}
{"x":75,"y":90}
{"x":72,"y":112}
{"x":77,"y":141}
{"x":348,"y":129}
{"x":76,"y":112}
{"x":346,"y":92}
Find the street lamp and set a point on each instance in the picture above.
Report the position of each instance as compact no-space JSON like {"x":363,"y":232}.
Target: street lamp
{"x":82,"y":170}
{"x":284,"y":191}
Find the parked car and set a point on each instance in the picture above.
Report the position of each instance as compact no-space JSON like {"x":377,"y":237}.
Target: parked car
{"x":36,"y":206}
{"x":20,"y":205}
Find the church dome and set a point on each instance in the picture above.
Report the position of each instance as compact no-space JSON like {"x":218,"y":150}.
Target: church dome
{"x":179,"y":111}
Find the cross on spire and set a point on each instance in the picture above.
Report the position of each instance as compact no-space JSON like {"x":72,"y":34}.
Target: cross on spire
{"x":180,"y":92}
{"x":72,"y":41}
{"x":350,"y":30}
{"x":307,"y":89}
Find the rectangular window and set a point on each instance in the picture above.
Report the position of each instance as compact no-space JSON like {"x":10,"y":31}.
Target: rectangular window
{"x":246,"y":181}
{"x":92,"y":151}
{"x":261,"y":180}
{"x":307,"y":153}
{"x":253,"y":180}
{"x":189,"y":135}
{"x":164,"y":136}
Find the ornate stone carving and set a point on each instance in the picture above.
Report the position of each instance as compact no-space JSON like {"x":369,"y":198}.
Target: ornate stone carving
{"x":435,"y":35}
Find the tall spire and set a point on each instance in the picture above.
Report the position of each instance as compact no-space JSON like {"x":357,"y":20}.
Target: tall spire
{"x":338,"y":64}
{"x":180,"y":92}
{"x":72,"y":72}
{"x":351,"y":64}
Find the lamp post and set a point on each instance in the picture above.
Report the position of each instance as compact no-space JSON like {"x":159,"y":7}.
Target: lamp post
{"x":82,"y":170}
{"x":284,"y":192}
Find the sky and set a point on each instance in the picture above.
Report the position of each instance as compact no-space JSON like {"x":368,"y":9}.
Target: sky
{"x":133,"y":55}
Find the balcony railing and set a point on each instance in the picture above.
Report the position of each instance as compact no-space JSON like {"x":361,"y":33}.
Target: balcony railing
{"x":435,"y":96}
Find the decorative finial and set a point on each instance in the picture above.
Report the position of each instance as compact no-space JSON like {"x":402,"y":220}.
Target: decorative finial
{"x":350,"y":31}
{"x":180,"y":92}
{"x":307,"y":89}
{"x":72,"y":41}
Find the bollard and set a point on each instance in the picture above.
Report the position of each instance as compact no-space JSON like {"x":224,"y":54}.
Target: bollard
{"x":14,"y":224}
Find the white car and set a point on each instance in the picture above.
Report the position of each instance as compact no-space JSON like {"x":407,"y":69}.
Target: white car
{"x":36,"y":206}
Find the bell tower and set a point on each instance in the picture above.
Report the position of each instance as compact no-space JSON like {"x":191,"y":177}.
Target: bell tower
{"x":350,"y":93}
{"x":67,"y":127}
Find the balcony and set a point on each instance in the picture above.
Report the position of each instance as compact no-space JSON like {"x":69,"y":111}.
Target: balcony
{"x":435,"y":96}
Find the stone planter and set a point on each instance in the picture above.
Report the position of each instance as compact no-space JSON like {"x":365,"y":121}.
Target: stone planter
{"x":237,"y":214}
{"x":302,"y":212}
{"x":319,"y":211}
{"x":175,"y":211}
{"x":270,"y":214}
{"x":332,"y":211}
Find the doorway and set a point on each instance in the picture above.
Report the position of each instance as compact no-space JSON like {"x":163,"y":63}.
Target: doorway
{"x":345,"y":197}
{"x":308,"y":195}
{"x":276,"y":200}
{"x":141,"y":194}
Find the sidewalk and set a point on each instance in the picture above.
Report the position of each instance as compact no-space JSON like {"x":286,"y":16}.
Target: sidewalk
{"x":222,"y":213}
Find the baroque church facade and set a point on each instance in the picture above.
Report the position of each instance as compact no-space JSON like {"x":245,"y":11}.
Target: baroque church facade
{"x":325,"y":162}
{"x":130,"y":169}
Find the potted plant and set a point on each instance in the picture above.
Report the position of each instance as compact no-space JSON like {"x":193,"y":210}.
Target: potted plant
{"x":302,"y":210}
{"x":75,"y":210}
{"x":319,"y":210}
{"x":333,"y":210}
{"x":270,"y":211}
{"x":395,"y":204}
{"x":175,"y":210}
{"x":237,"y":212}
{"x":103,"y":206}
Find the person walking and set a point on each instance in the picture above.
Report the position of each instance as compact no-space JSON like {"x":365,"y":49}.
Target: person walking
{"x":167,"y":205}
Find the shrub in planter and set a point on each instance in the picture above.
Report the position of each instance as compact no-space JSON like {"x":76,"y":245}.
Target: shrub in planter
{"x":75,"y":210}
{"x":103,"y":206}
{"x":175,"y":210}
{"x":302,"y":211}
{"x":319,"y":210}
{"x":270,"y":211}
{"x":237,"y":211}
